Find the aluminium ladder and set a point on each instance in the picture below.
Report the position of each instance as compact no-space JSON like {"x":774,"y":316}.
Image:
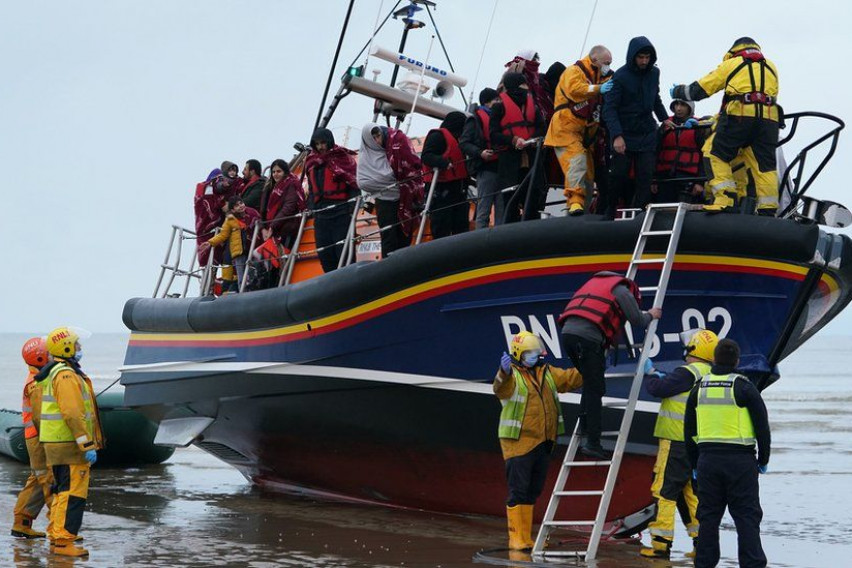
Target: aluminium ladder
{"x":570,"y":461}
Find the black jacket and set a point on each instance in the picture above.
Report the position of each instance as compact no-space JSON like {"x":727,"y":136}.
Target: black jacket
{"x":634,"y":97}
{"x":747,"y":396}
{"x":472,"y":143}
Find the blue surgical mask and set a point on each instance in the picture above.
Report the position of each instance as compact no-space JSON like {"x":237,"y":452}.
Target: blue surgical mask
{"x":530,"y":358}
{"x":78,"y":355}
{"x":605,"y":69}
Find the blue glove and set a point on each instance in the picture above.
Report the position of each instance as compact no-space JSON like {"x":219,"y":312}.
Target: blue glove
{"x":762,"y":468}
{"x":672,"y":90}
{"x":606,"y":87}
{"x":695,"y":474}
{"x":506,"y":363}
{"x":91,"y":456}
{"x":649,"y":366}
{"x":690,"y":123}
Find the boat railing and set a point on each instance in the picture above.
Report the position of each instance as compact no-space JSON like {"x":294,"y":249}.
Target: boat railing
{"x":794,"y":179}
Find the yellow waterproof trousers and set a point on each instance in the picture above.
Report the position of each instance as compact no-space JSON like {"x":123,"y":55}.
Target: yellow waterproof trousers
{"x":578,"y":165}
{"x":70,"y":490}
{"x":672,"y":489}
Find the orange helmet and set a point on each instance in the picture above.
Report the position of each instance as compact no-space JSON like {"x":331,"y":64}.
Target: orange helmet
{"x":34,"y":352}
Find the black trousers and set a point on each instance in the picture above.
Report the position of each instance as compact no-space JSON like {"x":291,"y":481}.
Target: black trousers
{"x":526,"y":475}
{"x":588,"y":357}
{"x":729,"y":479}
{"x":510,"y":172}
{"x":619,"y":178}
{"x":451,"y":211}
{"x":393,"y":238}
{"x":331,"y":227}
{"x":736,"y":132}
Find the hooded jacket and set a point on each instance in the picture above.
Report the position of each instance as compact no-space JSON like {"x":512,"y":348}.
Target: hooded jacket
{"x":634,"y":97}
{"x":339,"y":161}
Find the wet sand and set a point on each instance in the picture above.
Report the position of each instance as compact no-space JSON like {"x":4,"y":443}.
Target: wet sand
{"x":194,"y":511}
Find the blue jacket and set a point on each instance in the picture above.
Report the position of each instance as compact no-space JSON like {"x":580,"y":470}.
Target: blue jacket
{"x":634,"y":96}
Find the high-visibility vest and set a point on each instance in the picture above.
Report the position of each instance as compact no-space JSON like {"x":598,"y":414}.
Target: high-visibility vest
{"x":30,"y":430}
{"x":720,"y":420}
{"x":453,"y":153}
{"x":515,"y":407}
{"x":53,"y":427}
{"x":672,"y":409}
{"x":517,"y":122}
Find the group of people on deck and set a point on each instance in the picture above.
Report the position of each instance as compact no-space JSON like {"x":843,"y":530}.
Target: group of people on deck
{"x":607,"y":134}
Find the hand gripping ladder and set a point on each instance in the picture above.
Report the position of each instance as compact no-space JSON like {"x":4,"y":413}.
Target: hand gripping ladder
{"x":570,"y":461}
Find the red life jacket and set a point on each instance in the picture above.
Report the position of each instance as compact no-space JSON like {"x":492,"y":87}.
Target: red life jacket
{"x":588,"y":110}
{"x":515,"y":122}
{"x":269,"y":251}
{"x":453,"y":153}
{"x":329,"y":189}
{"x":595,"y":302}
{"x":485,"y":120}
{"x":679,"y":153}
{"x":27,"y":410}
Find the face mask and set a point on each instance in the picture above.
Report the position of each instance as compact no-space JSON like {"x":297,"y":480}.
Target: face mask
{"x":530,"y":358}
{"x":605,"y":69}
{"x":78,"y":355}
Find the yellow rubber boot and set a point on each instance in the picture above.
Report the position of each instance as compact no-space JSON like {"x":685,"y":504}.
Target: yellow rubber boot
{"x":515,"y":518}
{"x":526,"y":527}
{"x":575,"y":209}
{"x":660,"y":548}
{"x":721,"y":202}
{"x":67,"y":548}
{"x":23,"y":528}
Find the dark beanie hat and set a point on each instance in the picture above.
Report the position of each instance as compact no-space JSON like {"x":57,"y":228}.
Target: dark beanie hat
{"x":487,"y":95}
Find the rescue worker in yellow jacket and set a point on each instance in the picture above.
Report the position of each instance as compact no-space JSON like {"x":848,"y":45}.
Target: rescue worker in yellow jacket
{"x":573,"y":129}
{"x":672,"y":487}
{"x":70,"y":431}
{"x":36,"y":491}
{"x":530,"y":421}
{"x":749,"y":119}
{"x":743,"y":169}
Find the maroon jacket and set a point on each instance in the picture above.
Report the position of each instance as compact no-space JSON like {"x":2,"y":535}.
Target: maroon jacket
{"x":285,"y":200}
{"x":407,"y":169}
{"x":340,"y":162}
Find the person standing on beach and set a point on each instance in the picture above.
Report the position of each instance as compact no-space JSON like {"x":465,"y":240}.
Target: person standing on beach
{"x":725,"y":418}
{"x":530,"y":421}
{"x":36,"y":491}
{"x":71,"y":433}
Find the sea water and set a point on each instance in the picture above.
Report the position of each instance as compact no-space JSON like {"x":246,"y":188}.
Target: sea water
{"x":195,"y":511}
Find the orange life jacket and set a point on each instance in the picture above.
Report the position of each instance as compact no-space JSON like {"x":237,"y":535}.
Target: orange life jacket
{"x":485,"y":119}
{"x":595,"y":302}
{"x":269,"y":251}
{"x":27,"y":409}
{"x":453,"y":153}
{"x":515,"y":122}
{"x":679,"y":153}
{"x":328,"y":189}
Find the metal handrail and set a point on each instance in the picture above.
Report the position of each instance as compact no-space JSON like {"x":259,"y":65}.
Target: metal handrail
{"x":426,"y":211}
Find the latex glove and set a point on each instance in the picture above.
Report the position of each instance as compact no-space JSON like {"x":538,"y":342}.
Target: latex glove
{"x":762,"y":468}
{"x":606,"y":87}
{"x":672,"y":90}
{"x":91,"y":456}
{"x":648,"y":369}
{"x":505,"y":363}
{"x":690,"y":123}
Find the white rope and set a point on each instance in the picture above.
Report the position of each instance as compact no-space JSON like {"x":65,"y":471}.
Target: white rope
{"x":419,"y":84}
{"x":482,"y":55}
{"x":372,"y":37}
{"x":589,"y":27}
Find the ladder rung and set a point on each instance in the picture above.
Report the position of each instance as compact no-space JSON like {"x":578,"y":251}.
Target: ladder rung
{"x":610,"y":432}
{"x":569,"y":523}
{"x":563,"y":553}
{"x":616,"y":404}
{"x":648,"y":260}
{"x":586,"y":463}
{"x":618,"y":375}
{"x":656,"y":233}
{"x":577,"y":493}
{"x":648,"y":288}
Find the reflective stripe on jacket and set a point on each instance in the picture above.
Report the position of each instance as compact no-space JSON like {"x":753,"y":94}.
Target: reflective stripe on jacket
{"x":515,"y":407}
{"x":595,"y":301}
{"x":54,"y":428}
{"x":672,"y":409}
{"x":31,"y":400}
{"x":454,"y":155}
{"x":719,"y":418}
{"x":516,"y":122}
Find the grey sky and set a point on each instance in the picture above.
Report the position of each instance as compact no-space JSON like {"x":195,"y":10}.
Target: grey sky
{"x":112,"y":111}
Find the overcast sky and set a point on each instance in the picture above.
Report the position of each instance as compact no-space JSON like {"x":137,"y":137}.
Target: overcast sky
{"x":112,"y":111}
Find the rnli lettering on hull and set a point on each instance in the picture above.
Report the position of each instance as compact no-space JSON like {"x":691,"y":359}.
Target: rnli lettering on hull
{"x":691,"y":318}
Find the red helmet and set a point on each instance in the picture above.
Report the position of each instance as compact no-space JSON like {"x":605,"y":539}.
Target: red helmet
{"x":34,"y":352}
